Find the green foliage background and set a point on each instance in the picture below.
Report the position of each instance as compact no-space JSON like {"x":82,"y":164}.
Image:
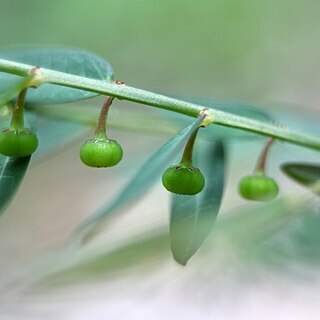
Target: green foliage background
{"x":263,"y":50}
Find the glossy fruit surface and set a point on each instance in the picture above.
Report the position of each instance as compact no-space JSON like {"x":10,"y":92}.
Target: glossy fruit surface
{"x":183,"y":179}
{"x":101,"y":153}
{"x":258,"y":188}
{"x":18,"y":142}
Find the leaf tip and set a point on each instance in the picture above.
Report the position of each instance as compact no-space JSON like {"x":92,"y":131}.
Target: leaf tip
{"x":182,"y":260}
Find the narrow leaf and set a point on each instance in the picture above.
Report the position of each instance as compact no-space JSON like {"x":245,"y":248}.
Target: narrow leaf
{"x":145,"y":177}
{"x":146,"y":251}
{"x":12,"y":171}
{"x":149,"y":250}
{"x":304,"y":173}
{"x":192,"y":217}
{"x":307,"y":174}
{"x":76,"y":62}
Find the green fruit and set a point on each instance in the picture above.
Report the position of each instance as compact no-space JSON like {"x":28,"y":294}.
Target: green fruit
{"x":258,"y":188}
{"x":183,"y":179}
{"x":17,"y":142}
{"x":101,"y":153}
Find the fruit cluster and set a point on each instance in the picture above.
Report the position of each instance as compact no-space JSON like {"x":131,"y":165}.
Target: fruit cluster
{"x":99,"y":151}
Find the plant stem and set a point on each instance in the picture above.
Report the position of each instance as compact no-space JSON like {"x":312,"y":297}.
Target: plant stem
{"x":261,"y":163}
{"x":17,"y":121}
{"x":163,"y":102}
{"x":188,"y":150}
{"x":101,"y":127}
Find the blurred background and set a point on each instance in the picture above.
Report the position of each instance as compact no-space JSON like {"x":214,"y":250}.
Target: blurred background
{"x":262,"y":52}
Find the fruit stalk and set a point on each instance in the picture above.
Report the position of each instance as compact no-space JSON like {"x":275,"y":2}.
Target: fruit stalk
{"x":188,"y":150}
{"x":261,"y":163}
{"x":101,"y":127}
{"x":17,"y":121}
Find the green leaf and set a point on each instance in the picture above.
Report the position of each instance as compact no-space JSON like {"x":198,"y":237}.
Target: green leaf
{"x":192,"y":217}
{"x":283,"y":233}
{"x":128,"y":118}
{"x":12,"y":171}
{"x":145,"y":177}
{"x":54,"y":134}
{"x":305,"y":173}
{"x":145,"y":252}
{"x":76,"y":62}
{"x":298,"y":239}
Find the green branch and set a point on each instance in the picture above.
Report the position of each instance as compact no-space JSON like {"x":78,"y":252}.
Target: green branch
{"x":160,"y":101}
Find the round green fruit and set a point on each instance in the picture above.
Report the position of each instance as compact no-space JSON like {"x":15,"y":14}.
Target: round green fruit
{"x":18,"y":142}
{"x":183,"y":179}
{"x":101,"y":153}
{"x":258,"y":188}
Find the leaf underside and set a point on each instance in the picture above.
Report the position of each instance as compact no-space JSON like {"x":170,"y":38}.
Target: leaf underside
{"x":304,"y":173}
{"x":12,"y":171}
{"x":280,"y":234}
{"x":54,"y":134}
{"x":192,"y":217}
{"x":76,"y":62}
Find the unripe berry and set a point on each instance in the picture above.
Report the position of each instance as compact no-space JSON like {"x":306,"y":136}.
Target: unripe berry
{"x":18,"y":142}
{"x":101,"y":153}
{"x":183,"y":179}
{"x":258,"y":187}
